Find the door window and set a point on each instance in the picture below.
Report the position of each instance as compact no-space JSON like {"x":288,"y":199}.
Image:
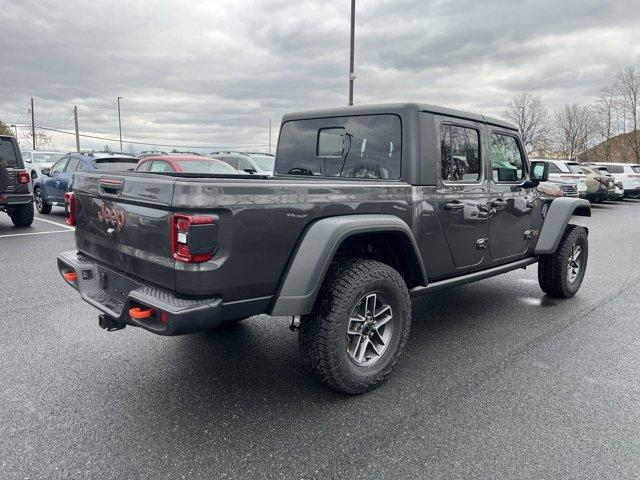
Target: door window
{"x":160,"y":166}
{"x":243,"y":164}
{"x":459,"y":154}
{"x":553,"y":168}
{"x":507,"y":161}
{"x":72,"y":166}
{"x":60,"y":165}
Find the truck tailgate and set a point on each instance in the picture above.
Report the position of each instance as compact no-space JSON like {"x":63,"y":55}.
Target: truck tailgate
{"x":125,"y":222}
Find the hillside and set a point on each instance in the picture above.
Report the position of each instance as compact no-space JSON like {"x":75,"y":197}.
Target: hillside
{"x":621,"y":150}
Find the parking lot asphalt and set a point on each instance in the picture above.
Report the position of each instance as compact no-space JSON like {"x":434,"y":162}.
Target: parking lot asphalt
{"x":497,"y":381}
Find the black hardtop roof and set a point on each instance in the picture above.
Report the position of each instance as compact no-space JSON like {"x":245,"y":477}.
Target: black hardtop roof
{"x":397,"y":108}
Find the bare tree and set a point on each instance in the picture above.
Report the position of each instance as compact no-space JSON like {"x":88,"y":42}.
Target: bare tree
{"x":573,"y":124}
{"x":43,"y":139}
{"x":605,"y":120}
{"x":628,"y":81}
{"x":530,"y":114}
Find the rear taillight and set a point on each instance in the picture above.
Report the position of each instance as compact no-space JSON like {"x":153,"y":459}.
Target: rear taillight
{"x":70,"y":203}
{"x":23,"y":177}
{"x":194,"y":238}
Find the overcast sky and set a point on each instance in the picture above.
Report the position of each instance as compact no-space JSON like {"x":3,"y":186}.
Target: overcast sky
{"x":212,"y":73}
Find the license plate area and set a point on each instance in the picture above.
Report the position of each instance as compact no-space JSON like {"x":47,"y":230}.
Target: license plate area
{"x":111,"y":289}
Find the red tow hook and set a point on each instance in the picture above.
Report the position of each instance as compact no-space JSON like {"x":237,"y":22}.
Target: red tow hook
{"x":138,"y":313}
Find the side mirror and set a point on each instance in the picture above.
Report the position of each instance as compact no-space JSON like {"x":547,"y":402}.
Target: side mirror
{"x":46,"y":171}
{"x":538,"y":172}
{"x":250,"y":170}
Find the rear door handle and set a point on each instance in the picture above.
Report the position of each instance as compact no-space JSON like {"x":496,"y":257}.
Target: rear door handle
{"x":454,"y":206}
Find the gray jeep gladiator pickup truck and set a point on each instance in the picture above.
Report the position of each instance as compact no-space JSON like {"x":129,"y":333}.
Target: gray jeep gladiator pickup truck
{"x":368,"y":207}
{"x":16,"y":197}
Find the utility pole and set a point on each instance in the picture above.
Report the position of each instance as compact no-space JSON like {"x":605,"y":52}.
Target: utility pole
{"x":15,"y":130}
{"x":120,"y":123}
{"x":33,"y":126}
{"x":75,"y":118}
{"x":269,"y":136}
{"x":351,"y":60}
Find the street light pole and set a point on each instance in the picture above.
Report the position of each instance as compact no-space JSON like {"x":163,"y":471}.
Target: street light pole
{"x":33,"y":125}
{"x":120,"y":123}
{"x":351,"y":51}
{"x":15,"y":130}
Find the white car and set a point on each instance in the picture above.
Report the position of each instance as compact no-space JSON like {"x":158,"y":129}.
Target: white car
{"x":36,"y":160}
{"x":568,"y":171}
{"x":627,"y":174}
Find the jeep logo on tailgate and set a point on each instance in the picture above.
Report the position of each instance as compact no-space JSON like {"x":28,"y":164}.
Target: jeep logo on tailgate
{"x":112,"y":216}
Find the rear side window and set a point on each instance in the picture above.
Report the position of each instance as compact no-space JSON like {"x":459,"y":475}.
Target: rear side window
{"x":459,"y":154}
{"x":636,"y":169}
{"x":363,"y":146}
{"x":507,"y":162}
{"x":8,"y":156}
{"x":233,"y":161}
{"x":615,"y":168}
{"x":160,"y":166}
{"x":575,"y":168}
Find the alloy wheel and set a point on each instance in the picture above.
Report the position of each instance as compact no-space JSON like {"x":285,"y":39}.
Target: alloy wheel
{"x":573,"y":265}
{"x":369,"y":330}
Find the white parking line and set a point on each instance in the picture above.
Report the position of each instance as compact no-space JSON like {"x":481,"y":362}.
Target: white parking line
{"x":33,"y":233}
{"x":54,"y":223}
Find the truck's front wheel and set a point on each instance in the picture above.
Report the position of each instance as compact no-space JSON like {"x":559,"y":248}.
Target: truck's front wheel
{"x":358,"y":326}
{"x":560,"y":275}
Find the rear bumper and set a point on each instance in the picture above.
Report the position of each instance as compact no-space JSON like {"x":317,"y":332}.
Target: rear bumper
{"x":14,"y":200}
{"x":115,"y":294}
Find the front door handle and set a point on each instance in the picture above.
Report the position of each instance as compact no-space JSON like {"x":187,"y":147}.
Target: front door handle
{"x":454,"y":206}
{"x":499,"y":202}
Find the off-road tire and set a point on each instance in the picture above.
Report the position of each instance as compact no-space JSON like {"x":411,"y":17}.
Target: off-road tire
{"x":552,"y":269}
{"x":41,"y":205}
{"x":323,"y":333}
{"x":22,"y":216}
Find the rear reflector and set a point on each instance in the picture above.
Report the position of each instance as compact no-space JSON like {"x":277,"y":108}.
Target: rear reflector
{"x":140,"y":313}
{"x":70,"y":276}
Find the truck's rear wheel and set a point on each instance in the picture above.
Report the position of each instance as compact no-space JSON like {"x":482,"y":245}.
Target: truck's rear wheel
{"x":358,"y":326}
{"x":560,"y":275}
{"x":22,"y":216}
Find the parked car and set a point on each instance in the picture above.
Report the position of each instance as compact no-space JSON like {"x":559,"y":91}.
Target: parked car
{"x":50,"y":187}
{"x":253,"y":164}
{"x":368,"y":207}
{"x":36,"y":160}
{"x":555,"y":187}
{"x":16,"y":199}
{"x":567,"y":170}
{"x":600,"y":185}
{"x":185,"y":164}
{"x":618,"y":190}
{"x":627,"y":174}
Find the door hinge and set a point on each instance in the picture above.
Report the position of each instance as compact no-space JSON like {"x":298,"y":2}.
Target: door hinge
{"x":481,"y":243}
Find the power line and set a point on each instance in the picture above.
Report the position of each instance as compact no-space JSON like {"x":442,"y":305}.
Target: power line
{"x":96,"y":137}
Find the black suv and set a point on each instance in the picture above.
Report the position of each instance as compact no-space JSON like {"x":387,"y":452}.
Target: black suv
{"x":368,"y":207}
{"x":16,"y":197}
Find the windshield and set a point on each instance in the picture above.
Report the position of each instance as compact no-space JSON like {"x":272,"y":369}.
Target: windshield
{"x":46,"y":157}
{"x":264,"y":163}
{"x":206,"y":166}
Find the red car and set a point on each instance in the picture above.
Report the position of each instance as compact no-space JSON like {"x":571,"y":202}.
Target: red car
{"x":185,"y":164}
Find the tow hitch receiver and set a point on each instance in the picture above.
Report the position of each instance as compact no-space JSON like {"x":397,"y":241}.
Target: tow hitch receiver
{"x":110,"y":324}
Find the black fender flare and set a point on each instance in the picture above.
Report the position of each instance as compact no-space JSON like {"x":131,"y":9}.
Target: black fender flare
{"x":556,"y":220}
{"x":310,"y":262}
